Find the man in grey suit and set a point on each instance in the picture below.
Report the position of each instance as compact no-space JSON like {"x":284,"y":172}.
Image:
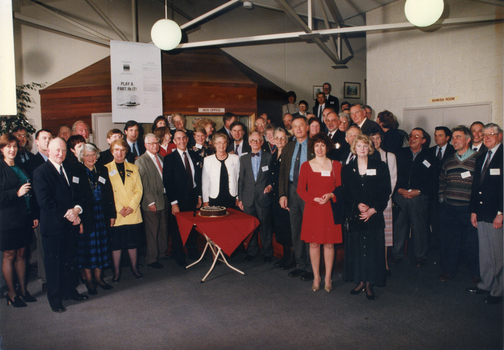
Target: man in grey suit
{"x":294,"y":154}
{"x":154,"y":202}
{"x":254,"y":195}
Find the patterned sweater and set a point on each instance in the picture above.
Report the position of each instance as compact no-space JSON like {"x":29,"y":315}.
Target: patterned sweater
{"x":455,"y":180}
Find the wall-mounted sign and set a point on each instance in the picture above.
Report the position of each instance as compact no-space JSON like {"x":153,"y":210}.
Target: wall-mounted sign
{"x":211,"y":110}
{"x":444,"y":99}
{"x":136,"y":82}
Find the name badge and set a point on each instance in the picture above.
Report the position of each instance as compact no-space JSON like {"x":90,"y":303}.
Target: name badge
{"x":465,"y":174}
{"x":495,"y":171}
{"x":113,"y":172}
{"x":75,"y":179}
{"x":265,"y":168}
{"x":426,"y":163}
{"x":244,"y":153}
{"x":371,"y":172}
{"x":101,"y":179}
{"x":326,"y":173}
{"x":337,"y":146}
{"x":199,"y":146}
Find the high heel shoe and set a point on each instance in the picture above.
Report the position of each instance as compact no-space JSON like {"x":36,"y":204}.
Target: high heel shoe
{"x":16,"y":302}
{"x":104,"y":286}
{"x":91,"y":290}
{"x":315,"y":287}
{"x":328,"y":287}
{"x":370,"y":296}
{"x":28,"y":298}
{"x":139,"y":276}
{"x":116,"y":279}
{"x":357,"y":289}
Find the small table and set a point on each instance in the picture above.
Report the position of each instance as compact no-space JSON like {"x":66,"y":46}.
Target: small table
{"x":223,"y":234}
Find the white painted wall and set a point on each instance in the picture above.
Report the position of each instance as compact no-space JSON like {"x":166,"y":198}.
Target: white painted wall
{"x":43,"y":56}
{"x":408,"y":68}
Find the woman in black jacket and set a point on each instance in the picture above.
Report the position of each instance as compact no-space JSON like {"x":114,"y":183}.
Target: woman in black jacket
{"x":366,"y":186}
{"x":18,"y":218}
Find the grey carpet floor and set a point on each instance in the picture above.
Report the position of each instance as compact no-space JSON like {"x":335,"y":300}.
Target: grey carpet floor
{"x":171,"y":309}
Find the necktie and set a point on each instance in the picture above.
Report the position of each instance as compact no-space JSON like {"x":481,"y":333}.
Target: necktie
{"x":236,"y":150}
{"x":255,"y":154}
{"x":320,"y":112}
{"x":297,"y":164}
{"x":485,"y":167}
{"x":475,"y":149}
{"x":188,"y":168}
{"x":135,"y":153}
{"x":439,"y":154}
{"x":160,"y":167}
{"x":63,"y":175}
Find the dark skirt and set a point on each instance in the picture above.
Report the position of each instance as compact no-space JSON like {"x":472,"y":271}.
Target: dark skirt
{"x":93,"y":251}
{"x":125,"y":237}
{"x":16,"y":239}
{"x":365,"y":257}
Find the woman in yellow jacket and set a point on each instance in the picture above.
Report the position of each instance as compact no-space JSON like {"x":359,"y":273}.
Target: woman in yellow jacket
{"x":127,"y":187}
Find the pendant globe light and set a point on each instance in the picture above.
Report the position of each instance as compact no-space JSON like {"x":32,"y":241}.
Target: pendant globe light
{"x":423,"y":13}
{"x":165,"y":33}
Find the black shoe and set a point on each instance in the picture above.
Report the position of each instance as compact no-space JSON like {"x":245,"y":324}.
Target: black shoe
{"x":396,"y":261}
{"x":268,"y":259}
{"x":370,"y":293}
{"x":16,"y":302}
{"x":249,"y":257}
{"x":92,"y":290}
{"x":288,"y":266}
{"x":307,"y":276}
{"x":476,"y":290}
{"x":116,"y":279}
{"x":493,"y":300}
{"x":28,"y":298}
{"x":139,"y":276}
{"x":58,"y":308}
{"x":155,"y":265}
{"x":104,"y":286}
{"x":296,"y":273}
{"x":78,"y":297}
{"x":279,"y":263}
{"x":420,"y":262}
{"x":44,"y":287}
{"x":359,"y":288}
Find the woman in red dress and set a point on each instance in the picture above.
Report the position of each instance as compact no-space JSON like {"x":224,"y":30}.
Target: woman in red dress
{"x":317,"y":180}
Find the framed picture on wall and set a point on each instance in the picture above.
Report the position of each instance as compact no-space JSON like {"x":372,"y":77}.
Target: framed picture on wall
{"x":352,"y":90}
{"x":316,"y":90}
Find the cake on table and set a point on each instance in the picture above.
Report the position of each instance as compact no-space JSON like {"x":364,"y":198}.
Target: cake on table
{"x":213,"y":211}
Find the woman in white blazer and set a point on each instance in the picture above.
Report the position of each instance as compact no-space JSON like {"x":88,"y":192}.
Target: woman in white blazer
{"x":220,"y":175}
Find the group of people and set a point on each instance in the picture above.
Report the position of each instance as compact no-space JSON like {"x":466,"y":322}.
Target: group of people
{"x":315,"y":182}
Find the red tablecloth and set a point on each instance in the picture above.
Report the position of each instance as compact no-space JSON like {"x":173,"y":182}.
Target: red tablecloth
{"x":227,"y":231}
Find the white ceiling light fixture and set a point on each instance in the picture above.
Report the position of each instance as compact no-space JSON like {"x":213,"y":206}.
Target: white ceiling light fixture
{"x":165,"y":33}
{"x":423,"y":13}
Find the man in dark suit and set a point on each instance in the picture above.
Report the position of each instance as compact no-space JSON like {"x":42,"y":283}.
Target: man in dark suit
{"x":154,"y":202}
{"x":131,"y":134}
{"x":228,"y":119}
{"x":106,"y":155}
{"x":330,"y":100}
{"x":42,"y":138}
{"x":60,"y":202}
{"x":477,"y":143}
{"x":254,"y":195}
{"x":337,"y":136}
{"x":23,"y":154}
{"x":358,"y":115}
{"x":238,"y":145}
{"x":417,"y":182}
{"x":294,"y":154}
{"x":182,"y":181}
{"x":486,"y":214}
{"x":318,"y":109}
{"x":442,"y":151}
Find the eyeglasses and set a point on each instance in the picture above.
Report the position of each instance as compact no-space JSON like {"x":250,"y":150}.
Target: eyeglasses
{"x":254,"y":140}
{"x":89,"y":155}
{"x":280,"y":138}
{"x":260,"y":124}
{"x":415,"y":137}
{"x":152,"y":143}
{"x":491,"y":134}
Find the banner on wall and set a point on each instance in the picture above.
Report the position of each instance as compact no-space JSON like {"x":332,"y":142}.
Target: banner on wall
{"x":135,"y":70}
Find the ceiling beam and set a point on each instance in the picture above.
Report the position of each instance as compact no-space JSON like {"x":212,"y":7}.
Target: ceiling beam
{"x":107,"y":20}
{"x":208,"y":14}
{"x":334,"y":31}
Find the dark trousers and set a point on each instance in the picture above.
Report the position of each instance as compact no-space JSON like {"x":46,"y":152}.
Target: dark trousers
{"x":301,"y":249}
{"x":61,"y":271}
{"x":264,"y":216}
{"x":456,"y":233}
